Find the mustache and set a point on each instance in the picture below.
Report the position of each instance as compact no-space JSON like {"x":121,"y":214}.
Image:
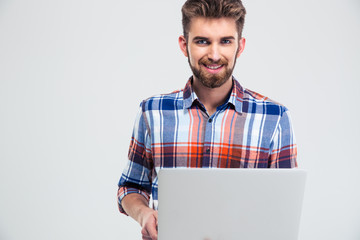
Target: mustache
{"x":207,"y":61}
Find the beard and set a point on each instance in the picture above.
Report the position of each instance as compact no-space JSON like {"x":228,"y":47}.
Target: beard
{"x":212,"y":80}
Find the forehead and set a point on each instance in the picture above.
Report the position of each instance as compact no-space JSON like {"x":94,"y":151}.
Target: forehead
{"x":212,"y":27}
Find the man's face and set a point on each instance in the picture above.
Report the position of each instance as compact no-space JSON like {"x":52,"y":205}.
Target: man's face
{"x":212,"y":48}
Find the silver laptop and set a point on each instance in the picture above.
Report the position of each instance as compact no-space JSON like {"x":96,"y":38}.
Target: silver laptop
{"x":230,"y":204}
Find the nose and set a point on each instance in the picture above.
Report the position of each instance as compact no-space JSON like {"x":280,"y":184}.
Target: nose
{"x":214,"y":53}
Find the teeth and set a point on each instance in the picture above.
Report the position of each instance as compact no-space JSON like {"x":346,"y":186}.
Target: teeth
{"x":213,"y":67}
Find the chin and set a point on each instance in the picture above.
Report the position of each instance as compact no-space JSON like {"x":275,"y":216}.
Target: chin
{"x":212,"y":83}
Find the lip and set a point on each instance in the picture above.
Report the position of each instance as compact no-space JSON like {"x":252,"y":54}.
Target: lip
{"x":214,"y":68}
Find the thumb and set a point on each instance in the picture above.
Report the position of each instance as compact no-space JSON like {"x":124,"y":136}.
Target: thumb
{"x":152,"y":227}
{"x":152,"y":231}
{"x":156,"y":217}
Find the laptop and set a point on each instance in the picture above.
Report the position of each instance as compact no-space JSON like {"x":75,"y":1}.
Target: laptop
{"x":230,"y":204}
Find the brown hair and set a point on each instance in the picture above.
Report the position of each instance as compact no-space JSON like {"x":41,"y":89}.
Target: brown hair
{"x":213,"y":9}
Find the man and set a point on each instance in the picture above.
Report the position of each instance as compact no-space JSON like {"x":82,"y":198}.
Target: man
{"x":212,"y":123}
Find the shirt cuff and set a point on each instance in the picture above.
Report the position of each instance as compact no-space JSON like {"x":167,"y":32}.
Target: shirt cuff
{"x":123,"y":191}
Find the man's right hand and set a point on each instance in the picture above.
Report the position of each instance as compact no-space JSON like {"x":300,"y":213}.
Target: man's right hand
{"x":149,"y":224}
{"x":136,"y":206}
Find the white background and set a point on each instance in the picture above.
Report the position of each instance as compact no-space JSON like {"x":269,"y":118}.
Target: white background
{"x":73,"y":72}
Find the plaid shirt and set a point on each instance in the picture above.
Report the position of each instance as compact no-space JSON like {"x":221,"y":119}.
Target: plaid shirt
{"x":174,"y":130}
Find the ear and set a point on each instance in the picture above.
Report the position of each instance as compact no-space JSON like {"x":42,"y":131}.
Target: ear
{"x":182,"y":44}
{"x":241,"y":47}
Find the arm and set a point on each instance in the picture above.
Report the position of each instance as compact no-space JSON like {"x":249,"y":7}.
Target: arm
{"x":136,"y":206}
{"x":135,"y":183}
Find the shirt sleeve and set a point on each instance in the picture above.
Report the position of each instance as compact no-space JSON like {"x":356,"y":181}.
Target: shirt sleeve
{"x":136,"y":177}
{"x":283,"y":148}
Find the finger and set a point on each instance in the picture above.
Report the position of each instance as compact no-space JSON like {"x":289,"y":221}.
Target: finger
{"x":144,"y":233}
{"x":152,"y":232}
{"x":156,"y":218}
{"x":150,"y":237}
{"x":151,"y":228}
{"x":156,"y":215}
{"x":149,"y":232}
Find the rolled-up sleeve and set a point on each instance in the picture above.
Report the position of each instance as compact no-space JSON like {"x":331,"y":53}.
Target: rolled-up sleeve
{"x":136,"y":177}
{"x":283,"y":148}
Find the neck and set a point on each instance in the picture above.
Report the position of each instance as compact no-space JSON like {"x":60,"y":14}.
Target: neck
{"x":211,"y":98}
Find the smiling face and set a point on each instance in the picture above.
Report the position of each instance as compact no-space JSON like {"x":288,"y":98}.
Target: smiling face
{"x":212,"y":48}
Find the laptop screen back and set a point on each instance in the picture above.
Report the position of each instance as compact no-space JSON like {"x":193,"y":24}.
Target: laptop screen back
{"x":230,"y":204}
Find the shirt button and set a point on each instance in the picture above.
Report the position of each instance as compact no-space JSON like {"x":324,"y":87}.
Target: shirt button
{"x":210,"y":120}
{"x":207,"y":150}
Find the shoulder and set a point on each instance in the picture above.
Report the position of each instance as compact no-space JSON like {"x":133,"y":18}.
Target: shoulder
{"x":169,"y":101}
{"x":254,"y":102}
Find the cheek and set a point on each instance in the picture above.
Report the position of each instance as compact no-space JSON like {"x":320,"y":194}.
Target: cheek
{"x":193,"y":59}
{"x":195,"y":54}
{"x":231,"y":57}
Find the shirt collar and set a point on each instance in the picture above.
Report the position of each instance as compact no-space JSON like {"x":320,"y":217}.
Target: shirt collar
{"x":235,"y":99}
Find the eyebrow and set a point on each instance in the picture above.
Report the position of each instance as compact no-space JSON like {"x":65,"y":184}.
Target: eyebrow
{"x":205,"y":38}
{"x":229,"y":37}
{"x":200,"y":38}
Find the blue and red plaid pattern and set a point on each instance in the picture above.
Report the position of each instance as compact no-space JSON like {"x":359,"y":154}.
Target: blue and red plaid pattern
{"x":174,"y":130}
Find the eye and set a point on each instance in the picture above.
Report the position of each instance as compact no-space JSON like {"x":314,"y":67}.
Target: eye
{"x":202,"y":42}
{"x":226,"y":41}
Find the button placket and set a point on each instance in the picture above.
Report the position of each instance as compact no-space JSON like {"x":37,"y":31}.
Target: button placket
{"x":207,"y":144}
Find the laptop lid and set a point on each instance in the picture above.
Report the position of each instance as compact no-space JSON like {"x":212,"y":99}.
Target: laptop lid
{"x":230,"y":204}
